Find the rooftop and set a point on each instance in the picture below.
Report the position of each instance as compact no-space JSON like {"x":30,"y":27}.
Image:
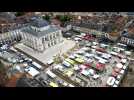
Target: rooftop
{"x":39,"y":33}
{"x":38,"y":22}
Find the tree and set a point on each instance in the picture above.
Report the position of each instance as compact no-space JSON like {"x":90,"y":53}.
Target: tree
{"x":19,"y":13}
{"x":114,"y":28}
{"x":57,"y":59}
{"x":46,"y":17}
{"x":65,"y":55}
{"x":64,"y":18}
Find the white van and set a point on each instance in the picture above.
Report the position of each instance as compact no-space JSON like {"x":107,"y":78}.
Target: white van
{"x":51,"y":74}
{"x":37,"y":65}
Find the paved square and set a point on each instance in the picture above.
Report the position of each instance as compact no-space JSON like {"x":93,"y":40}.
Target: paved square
{"x":48,"y":53}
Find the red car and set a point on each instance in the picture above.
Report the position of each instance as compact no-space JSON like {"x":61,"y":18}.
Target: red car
{"x":100,"y":66}
{"x":87,"y":64}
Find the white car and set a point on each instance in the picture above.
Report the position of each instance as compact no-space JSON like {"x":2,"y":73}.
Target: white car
{"x":77,"y":39}
{"x":50,"y":62}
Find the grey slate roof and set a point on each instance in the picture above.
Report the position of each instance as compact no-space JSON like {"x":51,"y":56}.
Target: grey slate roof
{"x":39,"y":33}
{"x":38,"y":22}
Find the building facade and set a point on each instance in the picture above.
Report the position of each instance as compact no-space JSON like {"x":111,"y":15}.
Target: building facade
{"x":127,"y":40}
{"x":10,"y":36}
{"x":41,"y":37}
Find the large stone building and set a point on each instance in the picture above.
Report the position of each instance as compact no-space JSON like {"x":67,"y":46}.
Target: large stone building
{"x":40,"y":35}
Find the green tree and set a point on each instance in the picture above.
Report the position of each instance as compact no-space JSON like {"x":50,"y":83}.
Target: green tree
{"x":64,"y":18}
{"x":57,"y":59}
{"x":114,"y":28}
{"x":46,"y":17}
{"x":19,"y":13}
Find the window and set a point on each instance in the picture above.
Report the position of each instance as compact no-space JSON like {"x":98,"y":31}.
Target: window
{"x":46,"y":38}
{"x":48,"y":45}
{"x":54,"y":41}
{"x":43,"y":40}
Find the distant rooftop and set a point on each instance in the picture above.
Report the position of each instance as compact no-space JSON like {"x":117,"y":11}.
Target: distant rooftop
{"x":38,"y":33}
{"x":38,"y":22}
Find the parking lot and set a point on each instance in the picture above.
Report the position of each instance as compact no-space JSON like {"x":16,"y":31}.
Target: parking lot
{"x":87,"y":74}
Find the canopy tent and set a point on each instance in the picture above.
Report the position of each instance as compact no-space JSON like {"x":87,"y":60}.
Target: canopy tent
{"x":51,"y":74}
{"x":114,"y":73}
{"x":80,"y":52}
{"x":37,"y":65}
{"x":67,"y":64}
{"x":85,"y":72}
{"x":79,"y":60}
{"x":58,"y":66}
{"x":102,"y":61}
{"x":76,"y":67}
{"x":122,"y":71}
{"x":91,"y":71}
{"x":124,"y":67}
{"x":33,"y":72}
{"x":82,"y":67}
{"x":116,"y":69}
{"x":53,"y":84}
{"x":123,"y":60}
{"x":114,"y":53}
{"x":84,"y":48}
{"x":70,"y":85}
{"x":69,"y":73}
{"x":70,"y":61}
{"x":119,"y":65}
{"x":72,"y":57}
